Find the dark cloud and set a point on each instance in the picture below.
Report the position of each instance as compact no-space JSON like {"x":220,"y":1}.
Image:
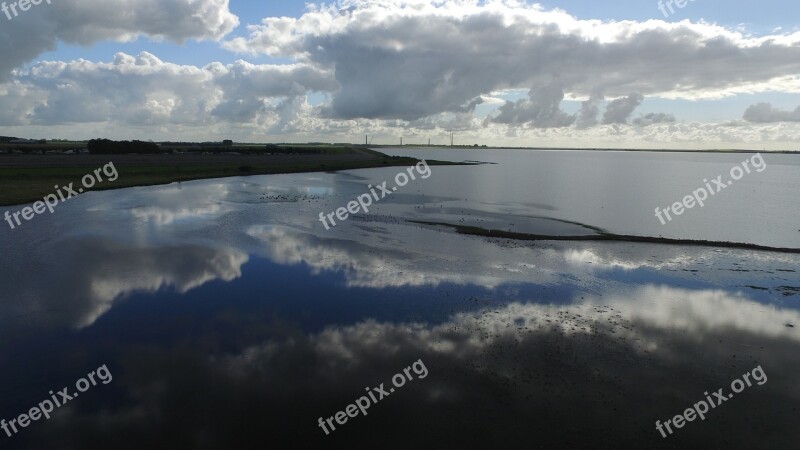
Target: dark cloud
{"x":653,"y":118}
{"x":766,"y":113}
{"x":587,"y":117}
{"x":619,"y":110}
{"x":542,"y":109}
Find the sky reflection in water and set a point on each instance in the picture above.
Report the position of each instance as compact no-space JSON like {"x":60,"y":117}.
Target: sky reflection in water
{"x":229,"y":316}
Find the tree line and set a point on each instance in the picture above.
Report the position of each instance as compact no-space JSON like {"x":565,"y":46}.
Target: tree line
{"x":109,"y":147}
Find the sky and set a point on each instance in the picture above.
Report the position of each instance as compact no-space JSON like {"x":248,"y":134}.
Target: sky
{"x":576,"y":73}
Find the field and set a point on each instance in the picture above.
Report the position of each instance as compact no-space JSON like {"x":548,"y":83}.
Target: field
{"x":29,"y":177}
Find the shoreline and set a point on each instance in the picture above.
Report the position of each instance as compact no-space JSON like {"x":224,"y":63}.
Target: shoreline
{"x":25,"y":179}
{"x":586,"y":149}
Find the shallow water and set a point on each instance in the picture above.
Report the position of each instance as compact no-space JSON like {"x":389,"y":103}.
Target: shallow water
{"x":619,"y":191}
{"x":231,"y":318}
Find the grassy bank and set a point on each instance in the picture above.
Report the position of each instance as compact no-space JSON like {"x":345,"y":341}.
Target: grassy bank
{"x":25,"y":179}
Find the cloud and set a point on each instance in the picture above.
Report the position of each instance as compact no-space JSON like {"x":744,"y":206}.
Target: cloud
{"x":111,"y":271}
{"x":392,"y":67}
{"x":619,"y":110}
{"x":542,"y":109}
{"x":359,"y":263}
{"x":86,"y":22}
{"x":653,"y":118}
{"x":587,"y":117}
{"x":245,"y":86}
{"x":443,"y":121}
{"x":145,"y":90}
{"x":588,"y":365}
{"x":411,"y":59}
{"x":766,"y":113}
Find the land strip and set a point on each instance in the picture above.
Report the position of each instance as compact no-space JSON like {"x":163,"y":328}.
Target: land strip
{"x":603,"y":237}
{"x":27,"y":178}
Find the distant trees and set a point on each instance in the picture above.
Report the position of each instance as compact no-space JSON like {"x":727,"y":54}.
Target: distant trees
{"x":109,"y":147}
{"x":294,"y":149}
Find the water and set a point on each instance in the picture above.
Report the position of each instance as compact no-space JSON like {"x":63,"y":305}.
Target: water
{"x":619,"y":191}
{"x":230,"y":317}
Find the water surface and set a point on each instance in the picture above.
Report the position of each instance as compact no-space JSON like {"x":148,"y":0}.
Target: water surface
{"x":231,"y":318}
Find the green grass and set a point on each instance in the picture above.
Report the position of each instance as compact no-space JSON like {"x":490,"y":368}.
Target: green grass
{"x":26,"y":185}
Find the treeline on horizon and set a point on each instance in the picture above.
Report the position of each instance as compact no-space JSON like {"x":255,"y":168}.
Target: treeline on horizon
{"x":112,"y":147}
{"x":109,"y":147}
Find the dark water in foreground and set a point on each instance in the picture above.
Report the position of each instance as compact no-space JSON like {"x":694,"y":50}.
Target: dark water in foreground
{"x":230,"y":318}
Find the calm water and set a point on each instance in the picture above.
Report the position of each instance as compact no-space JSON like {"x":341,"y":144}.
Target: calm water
{"x":619,"y":191}
{"x":230,"y":317}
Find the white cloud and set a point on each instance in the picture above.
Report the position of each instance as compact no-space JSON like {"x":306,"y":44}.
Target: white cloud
{"x":89,"y":21}
{"x":641,"y":316}
{"x":113,"y":271}
{"x":144,"y":90}
{"x":410,"y":59}
{"x":389,"y":68}
{"x":361,"y":266}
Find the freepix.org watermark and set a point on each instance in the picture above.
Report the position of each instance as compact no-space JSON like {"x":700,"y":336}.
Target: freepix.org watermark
{"x":700,"y":408}
{"x":50,"y":201}
{"x":663,"y":6}
{"x":699,"y":196}
{"x":56,"y":401}
{"x":364,"y":201}
{"x":23,"y":5}
{"x":375,"y":395}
